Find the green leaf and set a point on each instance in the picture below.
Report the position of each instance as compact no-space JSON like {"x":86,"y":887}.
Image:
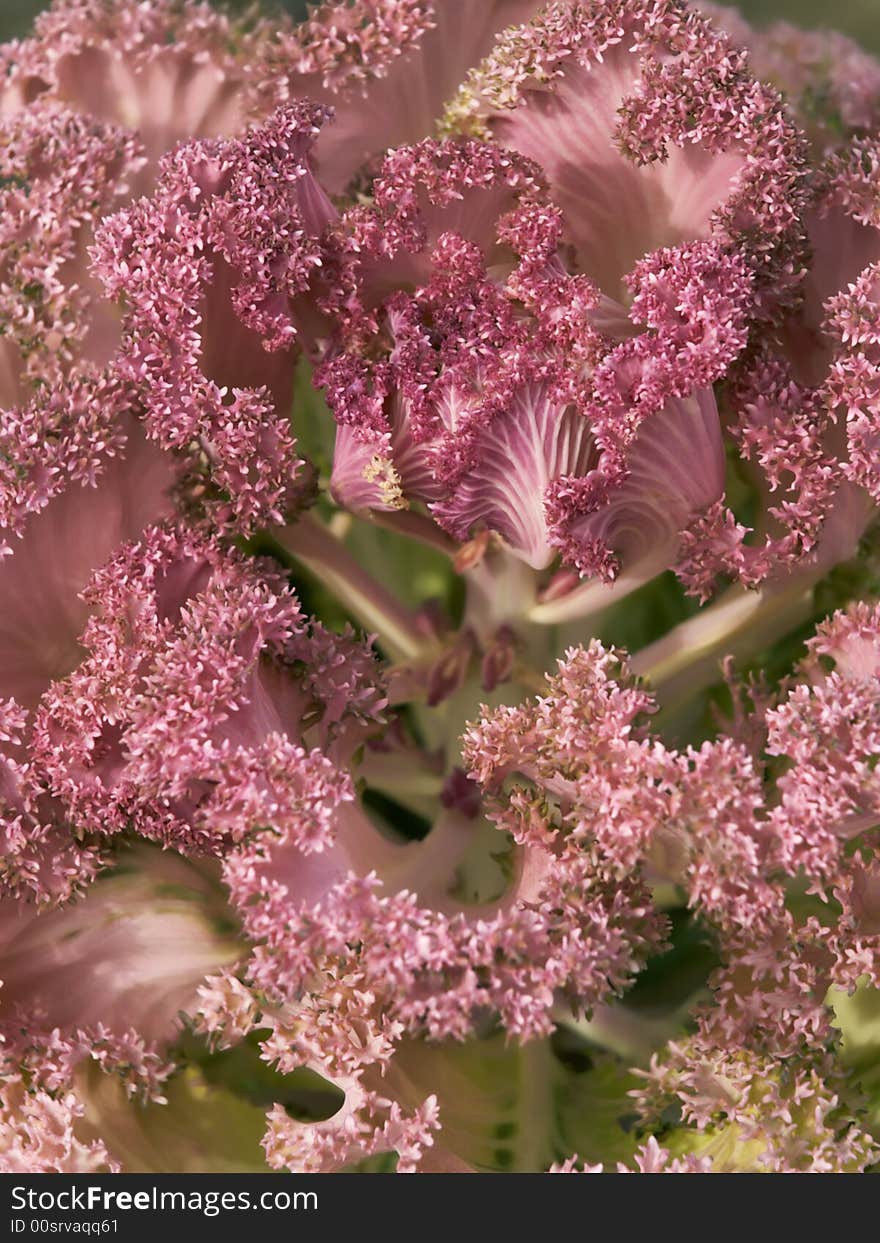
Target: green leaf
{"x":510,"y":1108}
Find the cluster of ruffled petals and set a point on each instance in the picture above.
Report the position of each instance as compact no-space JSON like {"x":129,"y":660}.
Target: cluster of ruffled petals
{"x":185,"y":719}
{"x":803,"y":408}
{"x":464,"y":383}
{"x":42,"y":618}
{"x":646,"y":811}
{"x":208,"y":269}
{"x":784,"y":432}
{"x":338,"y":1031}
{"x":61,"y":407}
{"x":41,"y":859}
{"x":828,"y":727}
{"x":167,"y":69}
{"x":664,"y":100}
{"x":358,"y":943}
{"x":511,"y":396}
{"x":369,"y":1125}
{"x":386,"y":67}
{"x":92,"y":993}
{"x":204,"y":711}
{"x":653,"y":415}
{"x":598,"y":811}
{"x":88,"y":106}
{"x":604,"y":409}
{"x":386,"y":917}
{"x":760,"y":1078}
{"x":830,"y":83}
{"x":567,"y":929}
{"x":339,"y":45}
{"x":38,"y":1129}
{"x":651,"y":1158}
{"x":756,"y":1112}
{"x":668,"y":100}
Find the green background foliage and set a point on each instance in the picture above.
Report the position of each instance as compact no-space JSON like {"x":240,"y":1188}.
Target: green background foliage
{"x":858,"y":18}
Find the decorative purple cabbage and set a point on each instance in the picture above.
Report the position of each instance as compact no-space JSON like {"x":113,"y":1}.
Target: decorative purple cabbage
{"x":439,"y":623}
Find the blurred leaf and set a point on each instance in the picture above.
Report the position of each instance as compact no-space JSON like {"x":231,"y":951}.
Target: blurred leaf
{"x":241,"y":1070}
{"x":856,"y":18}
{"x":203,"y":1128}
{"x":510,"y":1108}
{"x":858,"y":1018}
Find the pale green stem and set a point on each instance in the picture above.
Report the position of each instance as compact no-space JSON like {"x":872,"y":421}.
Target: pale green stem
{"x":413,"y":525}
{"x":631,"y":1036}
{"x":740,"y":624}
{"x":590,"y":599}
{"x":417,"y":782}
{"x":500,"y":591}
{"x":373,"y":606}
{"x":536,"y":1107}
